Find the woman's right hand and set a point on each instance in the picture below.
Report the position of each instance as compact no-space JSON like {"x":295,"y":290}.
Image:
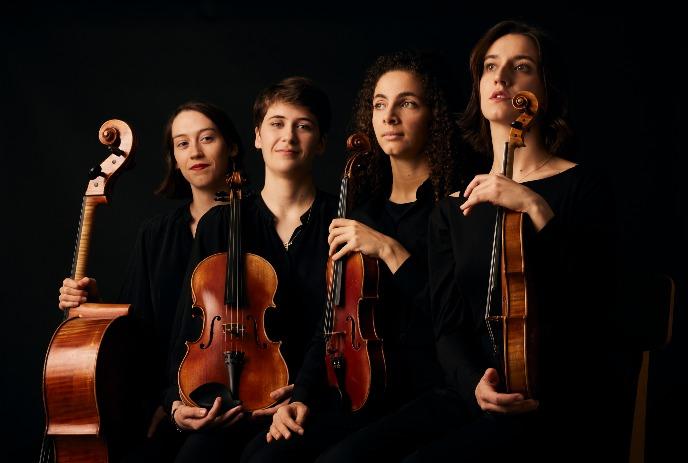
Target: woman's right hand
{"x":492,"y":401}
{"x":74,"y":293}
{"x":196,"y":418}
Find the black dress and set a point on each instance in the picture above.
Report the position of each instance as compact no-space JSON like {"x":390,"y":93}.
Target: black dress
{"x":572,"y":259}
{"x":300,"y":298}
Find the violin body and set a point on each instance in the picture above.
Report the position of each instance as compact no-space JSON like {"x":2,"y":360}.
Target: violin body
{"x":519,"y":327}
{"x":517,"y":321}
{"x":354,"y":357}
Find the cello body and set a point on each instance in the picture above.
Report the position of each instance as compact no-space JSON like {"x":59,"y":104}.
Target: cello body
{"x":88,"y":376}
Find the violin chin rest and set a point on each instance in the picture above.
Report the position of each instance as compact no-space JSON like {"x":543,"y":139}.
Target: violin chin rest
{"x":206,"y":394}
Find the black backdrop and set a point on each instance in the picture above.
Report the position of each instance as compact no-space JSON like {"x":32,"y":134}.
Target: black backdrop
{"x":65,"y":70}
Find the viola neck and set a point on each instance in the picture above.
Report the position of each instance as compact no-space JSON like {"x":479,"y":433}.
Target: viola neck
{"x":335,"y":290}
{"x":234,"y":283}
{"x":83,"y":237}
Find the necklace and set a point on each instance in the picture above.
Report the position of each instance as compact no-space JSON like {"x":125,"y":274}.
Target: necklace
{"x":298,"y":229}
{"x":538,"y":167}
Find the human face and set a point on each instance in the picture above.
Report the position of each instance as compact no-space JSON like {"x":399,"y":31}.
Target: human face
{"x":400,"y":116}
{"x":200,"y":152}
{"x":289,"y":138}
{"x":511,"y":65}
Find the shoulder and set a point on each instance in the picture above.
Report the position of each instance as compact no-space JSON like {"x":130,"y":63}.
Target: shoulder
{"x":164,"y":221}
{"x":326,"y":205}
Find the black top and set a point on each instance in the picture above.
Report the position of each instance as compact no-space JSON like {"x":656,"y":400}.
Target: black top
{"x":402,"y":318}
{"x":300,"y":297}
{"x":571,"y":258}
{"x":154,"y":280}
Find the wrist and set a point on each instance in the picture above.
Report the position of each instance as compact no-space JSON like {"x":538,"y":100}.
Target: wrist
{"x":539,"y":212}
{"x":393,"y":254}
{"x":175,"y":407}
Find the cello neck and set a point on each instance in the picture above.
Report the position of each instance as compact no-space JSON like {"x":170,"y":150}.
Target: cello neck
{"x":83,"y":237}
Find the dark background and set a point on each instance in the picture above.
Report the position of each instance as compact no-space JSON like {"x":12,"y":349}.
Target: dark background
{"x":64,"y":70}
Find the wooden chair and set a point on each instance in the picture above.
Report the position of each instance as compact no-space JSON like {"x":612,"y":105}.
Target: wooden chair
{"x":658,"y":299}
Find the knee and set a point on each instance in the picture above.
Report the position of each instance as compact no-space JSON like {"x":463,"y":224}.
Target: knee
{"x":339,"y":454}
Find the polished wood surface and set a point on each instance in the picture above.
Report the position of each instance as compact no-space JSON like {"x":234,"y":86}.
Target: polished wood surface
{"x":264,"y":368}
{"x":354,"y":356}
{"x":88,"y":373}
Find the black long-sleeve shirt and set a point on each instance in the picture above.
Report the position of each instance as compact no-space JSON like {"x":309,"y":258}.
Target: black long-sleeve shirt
{"x":154,"y":279}
{"x":402,"y":317}
{"x":300,"y":297}
{"x":572,"y":263}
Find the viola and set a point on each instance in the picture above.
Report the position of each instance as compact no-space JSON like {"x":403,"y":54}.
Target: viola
{"x":354,"y":356}
{"x":232,"y":358}
{"x":517,"y":322}
{"x":89,"y":375}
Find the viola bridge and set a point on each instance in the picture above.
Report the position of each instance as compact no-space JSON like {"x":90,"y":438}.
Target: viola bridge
{"x":234,"y":329}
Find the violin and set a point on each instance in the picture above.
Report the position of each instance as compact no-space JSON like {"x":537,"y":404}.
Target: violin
{"x":354,"y":356}
{"x":517,"y":322}
{"x":90,"y":371}
{"x":232,"y":358}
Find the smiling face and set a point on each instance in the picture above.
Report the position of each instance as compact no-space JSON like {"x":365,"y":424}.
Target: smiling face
{"x":401,"y":118}
{"x":511,"y":65}
{"x":289,"y":138}
{"x":200,"y":152}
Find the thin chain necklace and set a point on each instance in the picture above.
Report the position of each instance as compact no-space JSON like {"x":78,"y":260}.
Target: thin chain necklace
{"x":298,"y":229}
{"x":538,"y":167}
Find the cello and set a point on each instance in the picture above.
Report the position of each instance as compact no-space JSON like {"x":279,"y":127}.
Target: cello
{"x":232,"y":358}
{"x":354,"y":357}
{"x":89,"y":358}
{"x":517,"y":322}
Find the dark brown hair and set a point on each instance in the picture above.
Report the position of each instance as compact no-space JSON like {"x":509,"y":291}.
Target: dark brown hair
{"x":297,"y":91}
{"x":553,"y":114}
{"x":174,"y":185}
{"x":441,"y":148}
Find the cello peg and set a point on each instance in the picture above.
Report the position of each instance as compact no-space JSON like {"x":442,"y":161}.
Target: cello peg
{"x":114,"y":150}
{"x":96,"y":172}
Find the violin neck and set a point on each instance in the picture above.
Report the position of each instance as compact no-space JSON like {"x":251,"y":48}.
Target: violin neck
{"x":338,"y":270}
{"x":83,"y":236}
{"x":235,"y":294}
{"x":508,"y":160}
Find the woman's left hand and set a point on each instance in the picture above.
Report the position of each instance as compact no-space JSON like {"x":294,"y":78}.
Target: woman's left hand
{"x":500,"y":190}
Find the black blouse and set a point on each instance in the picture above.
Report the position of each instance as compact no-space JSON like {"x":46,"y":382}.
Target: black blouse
{"x":402,"y":318}
{"x":154,"y":279}
{"x":572,"y":262}
{"x":300,"y":297}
